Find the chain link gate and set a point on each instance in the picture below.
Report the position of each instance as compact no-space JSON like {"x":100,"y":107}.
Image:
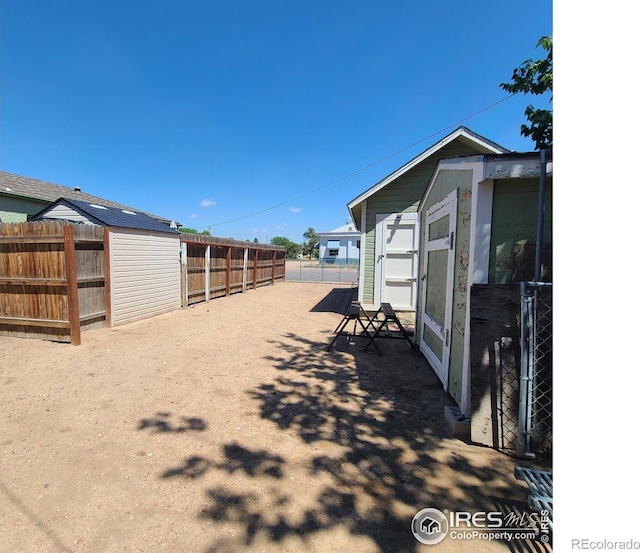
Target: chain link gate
{"x":536,"y":401}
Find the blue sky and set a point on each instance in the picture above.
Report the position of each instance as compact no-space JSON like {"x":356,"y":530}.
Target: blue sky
{"x":208,"y":112}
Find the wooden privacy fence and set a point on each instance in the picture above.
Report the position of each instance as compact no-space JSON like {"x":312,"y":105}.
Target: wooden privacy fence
{"x":53,"y":280}
{"x":55,"y":276}
{"x":214,"y":267}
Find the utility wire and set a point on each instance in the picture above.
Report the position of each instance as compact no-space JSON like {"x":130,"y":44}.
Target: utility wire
{"x":362,"y":168}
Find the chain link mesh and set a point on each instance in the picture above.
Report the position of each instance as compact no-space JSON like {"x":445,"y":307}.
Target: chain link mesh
{"x":536,"y":397}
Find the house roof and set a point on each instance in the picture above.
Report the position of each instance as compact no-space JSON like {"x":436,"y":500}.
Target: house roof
{"x":111,"y":216}
{"x":463,"y":134}
{"x":26,"y":187}
{"x":349,"y":228}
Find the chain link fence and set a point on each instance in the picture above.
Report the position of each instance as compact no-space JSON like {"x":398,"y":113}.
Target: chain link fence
{"x":305,"y":270}
{"x":536,"y":399}
{"x":507,"y":391}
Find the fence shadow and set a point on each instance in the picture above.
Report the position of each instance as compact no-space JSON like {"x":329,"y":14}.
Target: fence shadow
{"x":336,"y":301}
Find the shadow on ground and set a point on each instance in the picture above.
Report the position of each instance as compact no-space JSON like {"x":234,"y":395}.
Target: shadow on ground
{"x":336,"y":301}
{"x":390,"y":453}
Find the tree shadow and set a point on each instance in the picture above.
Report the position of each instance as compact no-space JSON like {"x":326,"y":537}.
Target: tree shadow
{"x":386,"y":418}
{"x":161,"y":423}
{"x":368,"y":436}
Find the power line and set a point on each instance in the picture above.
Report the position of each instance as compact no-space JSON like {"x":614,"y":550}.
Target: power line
{"x":362,"y":168}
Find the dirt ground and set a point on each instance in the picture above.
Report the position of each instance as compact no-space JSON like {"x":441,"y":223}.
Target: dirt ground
{"x":228,"y":427}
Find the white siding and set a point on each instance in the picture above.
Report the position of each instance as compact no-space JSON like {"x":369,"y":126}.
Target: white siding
{"x":145,"y":274}
{"x":63,"y":212}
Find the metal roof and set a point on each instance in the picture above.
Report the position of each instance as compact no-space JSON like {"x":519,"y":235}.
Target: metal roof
{"x":111,"y":216}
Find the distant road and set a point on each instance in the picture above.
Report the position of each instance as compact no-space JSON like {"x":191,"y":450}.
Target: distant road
{"x":309,"y":271}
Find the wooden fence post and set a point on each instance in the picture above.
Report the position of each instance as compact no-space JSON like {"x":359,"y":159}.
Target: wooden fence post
{"x":245,"y":259}
{"x":229,"y":271}
{"x":273,"y":268}
{"x":207,"y":273}
{"x":184,"y":276}
{"x":255,"y":268}
{"x":107,"y":277}
{"x":72,"y":284}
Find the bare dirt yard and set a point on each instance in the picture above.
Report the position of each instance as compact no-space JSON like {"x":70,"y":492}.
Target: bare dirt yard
{"x":228,"y":427}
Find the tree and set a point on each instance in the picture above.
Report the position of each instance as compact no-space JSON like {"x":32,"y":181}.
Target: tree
{"x":312,"y":241}
{"x":188,"y":230}
{"x":536,"y":77}
{"x":291,"y":248}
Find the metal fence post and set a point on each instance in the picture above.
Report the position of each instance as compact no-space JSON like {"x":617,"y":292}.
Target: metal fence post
{"x":536,"y":393}
{"x":524,"y":436}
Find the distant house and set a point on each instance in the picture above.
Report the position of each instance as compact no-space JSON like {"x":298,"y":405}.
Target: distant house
{"x":340,"y":246}
{"x":387,"y":216}
{"x":23,"y":197}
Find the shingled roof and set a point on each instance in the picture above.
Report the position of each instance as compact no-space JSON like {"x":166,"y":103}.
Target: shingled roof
{"x":25,"y":187}
{"x":110,"y":216}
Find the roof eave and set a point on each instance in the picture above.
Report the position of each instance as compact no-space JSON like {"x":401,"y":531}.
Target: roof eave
{"x":463,"y":132}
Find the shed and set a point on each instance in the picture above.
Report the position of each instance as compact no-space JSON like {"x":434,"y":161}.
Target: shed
{"x":387,"y":216}
{"x":143,"y":258}
{"x":340,"y":246}
{"x":478,"y":220}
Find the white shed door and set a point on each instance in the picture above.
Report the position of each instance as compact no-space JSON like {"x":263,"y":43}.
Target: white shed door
{"x":437,"y":280}
{"x":145,"y":274}
{"x":396,"y":260}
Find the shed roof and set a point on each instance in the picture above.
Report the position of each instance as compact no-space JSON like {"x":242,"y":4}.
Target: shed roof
{"x":462,"y":133}
{"x":111,"y":216}
{"x":26,"y":187}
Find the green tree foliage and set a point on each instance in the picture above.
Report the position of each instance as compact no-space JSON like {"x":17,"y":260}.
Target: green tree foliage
{"x":311,"y":244}
{"x":291,"y":248}
{"x":188,"y":230}
{"x":536,"y":77}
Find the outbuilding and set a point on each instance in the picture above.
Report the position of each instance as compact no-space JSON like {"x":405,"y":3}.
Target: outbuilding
{"x":387,"y":216}
{"x":142,"y":261}
{"x":478,"y":220}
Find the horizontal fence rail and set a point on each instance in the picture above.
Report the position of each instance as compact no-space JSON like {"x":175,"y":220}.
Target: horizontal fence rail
{"x":215,"y":267}
{"x":52,"y":280}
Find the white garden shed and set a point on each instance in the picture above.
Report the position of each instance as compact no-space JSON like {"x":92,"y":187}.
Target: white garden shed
{"x":142,"y":258}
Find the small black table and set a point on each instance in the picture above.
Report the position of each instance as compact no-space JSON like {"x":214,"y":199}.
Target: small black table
{"x":355,"y":313}
{"x":389,"y":316}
